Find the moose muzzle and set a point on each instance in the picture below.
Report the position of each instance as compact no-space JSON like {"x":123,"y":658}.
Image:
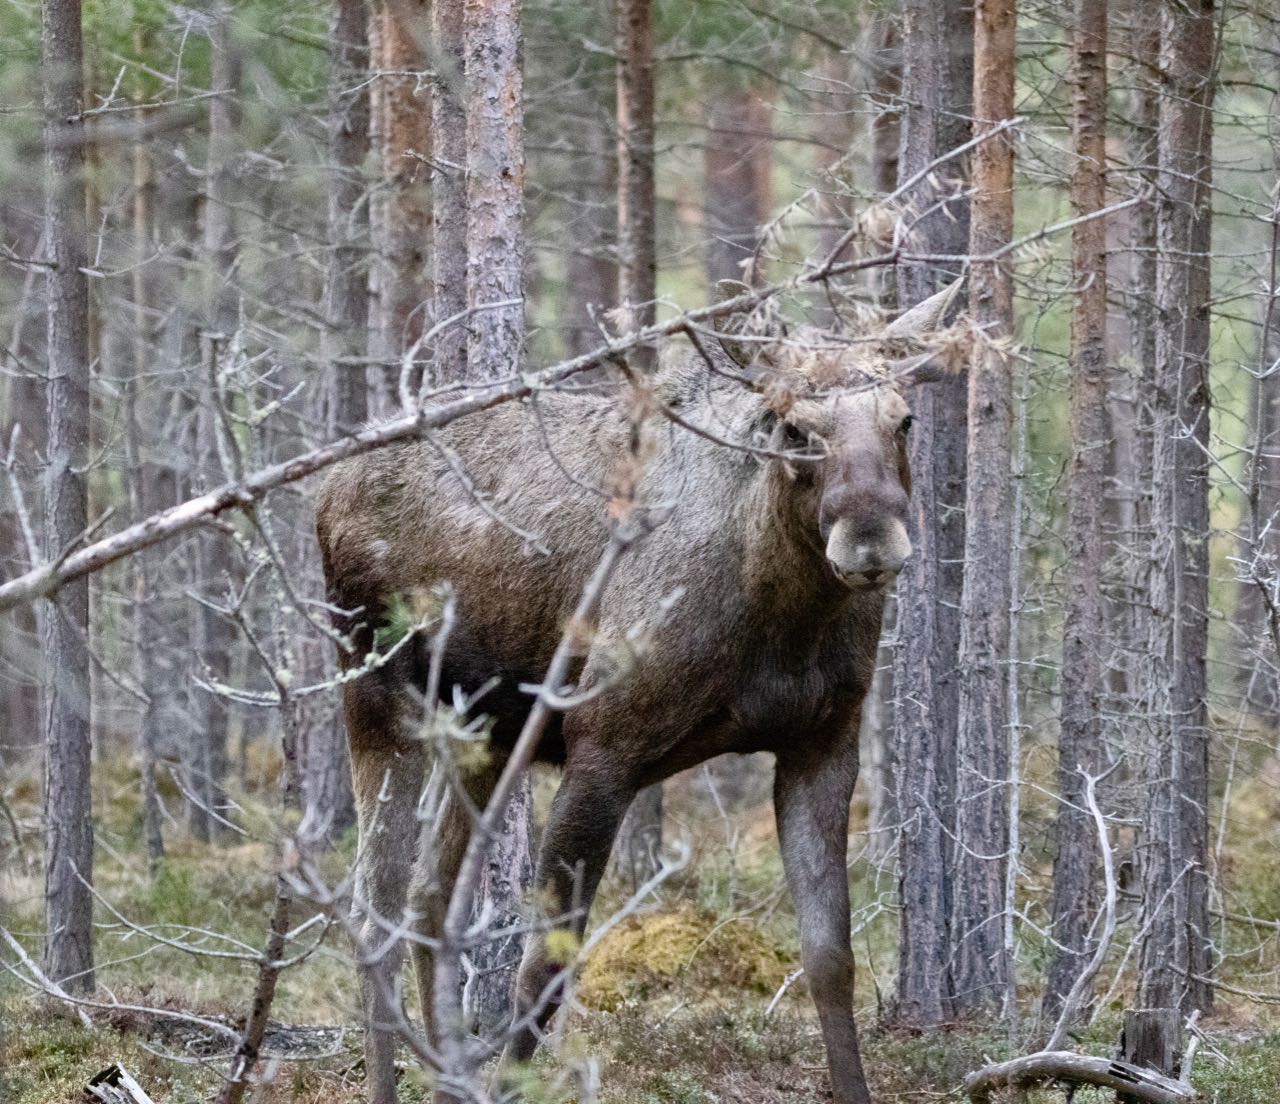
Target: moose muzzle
{"x":867,"y":556}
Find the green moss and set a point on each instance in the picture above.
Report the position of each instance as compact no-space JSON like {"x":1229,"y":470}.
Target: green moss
{"x":646,"y":955}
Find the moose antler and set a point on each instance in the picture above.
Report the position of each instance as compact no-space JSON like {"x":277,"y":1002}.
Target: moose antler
{"x":926,"y":316}
{"x":744,"y":334}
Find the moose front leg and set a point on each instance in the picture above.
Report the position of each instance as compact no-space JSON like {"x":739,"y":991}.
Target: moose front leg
{"x":584,"y":818}
{"x":812,"y":792}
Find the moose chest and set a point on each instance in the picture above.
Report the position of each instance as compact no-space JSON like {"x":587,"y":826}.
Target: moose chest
{"x":790,"y":688}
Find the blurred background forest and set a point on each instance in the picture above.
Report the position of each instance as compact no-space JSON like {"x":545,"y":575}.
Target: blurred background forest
{"x":259,"y":261}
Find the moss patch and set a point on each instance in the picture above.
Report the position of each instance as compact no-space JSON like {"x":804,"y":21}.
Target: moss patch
{"x":647,"y":955}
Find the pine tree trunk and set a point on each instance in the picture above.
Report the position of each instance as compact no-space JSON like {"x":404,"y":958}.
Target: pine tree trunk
{"x":449,"y":190}
{"x":64,"y":620}
{"x":640,"y":836}
{"x":1260,"y":543}
{"x":637,"y":257}
{"x":402,"y":215}
{"x":982,"y":814}
{"x":876,"y":734}
{"x":736,"y":165}
{"x":937,"y":80}
{"x":592,"y":273}
{"x":493,"y":84}
{"x":1259,"y":550}
{"x":1079,"y":741}
{"x":347,"y":286}
{"x":1176,"y":951}
{"x":886,"y":128}
{"x":218,"y":325}
{"x":326,"y":773}
{"x":142,"y":486}
{"x":1132,"y":382}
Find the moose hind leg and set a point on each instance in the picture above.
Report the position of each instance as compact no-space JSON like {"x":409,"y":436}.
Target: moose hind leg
{"x":584,"y":818}
{"x":387,"y":782}
{"x":443,"y":843}
{"x":811,"y":796}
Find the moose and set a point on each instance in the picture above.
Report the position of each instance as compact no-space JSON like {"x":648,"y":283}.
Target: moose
{"x":784,"y":521}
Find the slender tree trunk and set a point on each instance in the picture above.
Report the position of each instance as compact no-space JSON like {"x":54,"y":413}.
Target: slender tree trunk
{"x":493,"y":83}
{"x":736,"y":164}
{"x":1176,"y":956}
{"x":142,"y":486}
{"x":495,"y":188}
{"x":1131,"y":386}
{"x":326,"y":775}
{"x":982,"y":814}
{"x":1079,"y":741}
{"x":886,"y":129}
{"x":876,"y":735}
{"x":1259,"y":550}
{"x":937,"y":80}
{"x":1260,"y":544}
{"x":64,"y":621}
{"x":402,"y":216}
{"x":347,"y":286}
{"x":592,"y":274}
{"x":449,"y":189}
{"x":640,"y":837}
{"x":638,"y":266}
{"x":218,"y":325}
{"x":22,"y":402}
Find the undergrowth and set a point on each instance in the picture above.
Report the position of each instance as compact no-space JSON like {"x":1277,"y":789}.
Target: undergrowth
{"x":675,"y":1006}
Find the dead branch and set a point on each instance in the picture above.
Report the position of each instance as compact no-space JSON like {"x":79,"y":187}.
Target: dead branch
{"x":1075,"y":1069}
{"x":1083,"y":982}
{"x":114,"y":1086}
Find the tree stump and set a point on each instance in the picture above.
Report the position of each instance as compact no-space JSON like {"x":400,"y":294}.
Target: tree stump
{"x":1152,"y":1039}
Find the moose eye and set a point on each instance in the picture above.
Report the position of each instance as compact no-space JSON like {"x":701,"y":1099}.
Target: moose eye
{"x":795,"y":436}
{"x":904,"y":427}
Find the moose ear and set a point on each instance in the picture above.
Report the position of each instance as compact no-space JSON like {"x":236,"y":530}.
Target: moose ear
{"x":926,"y":316}
{"x":741,"y":334}
{"x":925,"y":368}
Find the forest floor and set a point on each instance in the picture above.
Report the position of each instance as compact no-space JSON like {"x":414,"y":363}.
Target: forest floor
{"x":677,"y":1003}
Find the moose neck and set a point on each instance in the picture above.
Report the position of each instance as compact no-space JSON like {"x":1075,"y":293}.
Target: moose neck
{"x":784,"y":563}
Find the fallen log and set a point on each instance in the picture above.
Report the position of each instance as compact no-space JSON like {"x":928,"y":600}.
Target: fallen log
{"x":1076,"y":1069}
{"x":114,"y":1086}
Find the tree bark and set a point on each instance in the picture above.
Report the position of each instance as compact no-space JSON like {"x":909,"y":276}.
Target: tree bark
{"x":402,"y":215}
{"x":495,"y":187}
{"x":640,"y":836}
{"x":982,"y":817}
{"x":1151,"y":1039}
{"x":218,"y":250}
{"x":64,"y":620}
{"x":1176,"y":956}
{"x":637,"y":256}
{"x":886,"y":128}
{"x":1260,"y":544}
{"x":326,"y":774}
{"x":493,"y":85}
{"x":1079,"y":741}
{"x":592,"y":273}
{"x":937,"y":81}
{"x":449,"y":189}
{"x":876,"y":736}
{"x":143,"y":487}
{"x":347,"y":285}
